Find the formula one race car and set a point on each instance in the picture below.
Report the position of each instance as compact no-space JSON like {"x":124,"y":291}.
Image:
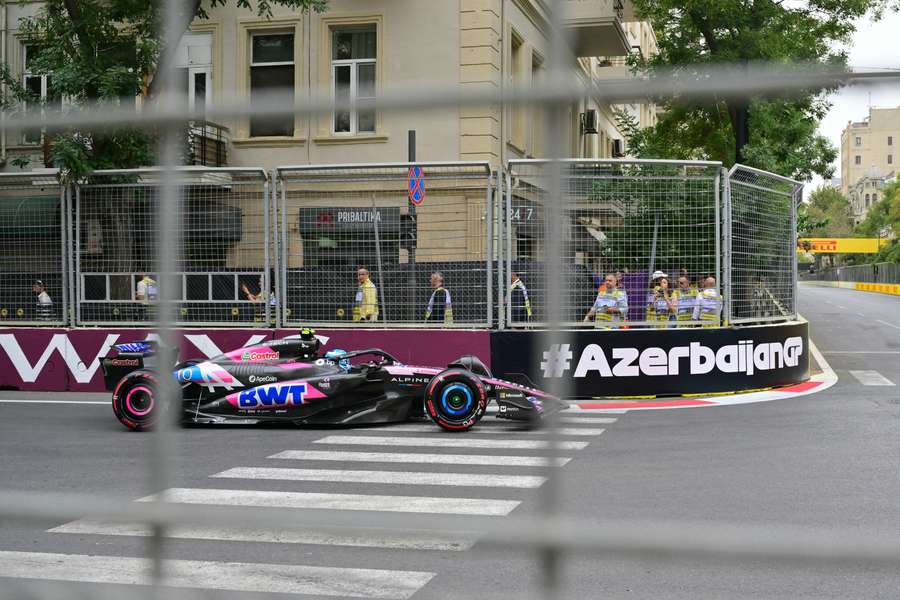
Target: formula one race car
{"x":290,"y":380}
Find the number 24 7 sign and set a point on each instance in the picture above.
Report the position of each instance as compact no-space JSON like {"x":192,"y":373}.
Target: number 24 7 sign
{"x":521,"y":213}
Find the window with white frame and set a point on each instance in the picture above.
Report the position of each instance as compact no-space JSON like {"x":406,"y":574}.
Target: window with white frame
{"x":272,"y":69}
{"x":42,"y":97}
{"x":858,"y":141}
{"x":353,"y":72}
{"x":857,"y":160}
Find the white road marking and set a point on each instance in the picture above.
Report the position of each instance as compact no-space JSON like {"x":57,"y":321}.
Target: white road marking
{"x":428,"y":459}
{"x":21,"y":401}
{"x":888,"y":324}
{"x":448,"y":441}
{"x":861,"y":352}
{"x":827,"y":371}
{"x":232,"y":576}
{"x":871,"y":378}
{"x":367,"y":502}
{"x":587,"y":420}
{"x":494,"y":430}
{"x":430,"y":541}
{"x":388,"y":477}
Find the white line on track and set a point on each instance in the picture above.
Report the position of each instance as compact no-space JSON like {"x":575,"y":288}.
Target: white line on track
{"x":492,"y":430}
{"x":365,"y":502}
{"x":426,"y":541}
{"x":492,"y":460}
{"x":888,"y":324}
{"x":447,"y":441}
{"x":861,"y":352}
{"x":233,"y":576}
{"x":871,"y":378}
{"x":22,"y":401}
{"x":387,"y":477}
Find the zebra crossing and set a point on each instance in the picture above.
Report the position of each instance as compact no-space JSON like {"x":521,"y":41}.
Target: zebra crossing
{"x":398,"y":460}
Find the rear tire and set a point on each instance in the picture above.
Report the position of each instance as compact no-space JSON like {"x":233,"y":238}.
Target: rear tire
{"x":136,"y":401}
{"x":455,"y":399}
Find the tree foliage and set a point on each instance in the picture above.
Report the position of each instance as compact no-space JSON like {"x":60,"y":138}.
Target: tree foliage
{"x":772,"y":133}
{"x":883,"y":221}
{"x":109,"y":51}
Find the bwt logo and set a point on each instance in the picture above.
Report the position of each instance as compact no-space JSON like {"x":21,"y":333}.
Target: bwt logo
{"x":695,"y":359}
{"x":270,"y":396}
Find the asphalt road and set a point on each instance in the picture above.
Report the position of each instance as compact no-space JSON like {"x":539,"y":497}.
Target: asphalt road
{"x":828,"y":460}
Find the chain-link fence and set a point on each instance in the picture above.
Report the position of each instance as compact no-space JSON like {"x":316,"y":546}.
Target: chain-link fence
{"x":356,"y":250}
{"x":874,"y":273}
{"x":651,"y":227}
{"x":224,"y":271}
{"x":34,"y":288}
{"x":761,"y":270}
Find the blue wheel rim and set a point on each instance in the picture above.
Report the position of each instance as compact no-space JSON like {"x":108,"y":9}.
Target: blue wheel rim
{"x":457,"y":399}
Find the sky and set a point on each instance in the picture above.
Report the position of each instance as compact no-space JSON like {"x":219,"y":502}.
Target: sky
{"x":875,"y":45}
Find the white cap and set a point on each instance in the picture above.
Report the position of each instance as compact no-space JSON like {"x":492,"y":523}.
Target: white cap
{"x":657,"y":275}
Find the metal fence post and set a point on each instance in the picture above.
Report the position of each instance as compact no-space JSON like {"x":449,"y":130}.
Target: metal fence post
{"x":77,"y":255}
{"x":507,"y":219}
{"x":792,"y":250}
{"x":726,"y":179}
{"x":267,"y":284}
{"x":282,"y":298}
{"x":489,"y":258}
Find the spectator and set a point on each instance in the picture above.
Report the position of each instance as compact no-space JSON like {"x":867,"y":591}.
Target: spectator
{"x":611,"y":305}
{"x":365,"y":306}
{"x":43,"y":305}
{"x":709,"y":304}
{"x":147,"y":289}
{"x":250,"y":295}
{"x":685,"y":297}
{"x":521,"y":305}
{"x":663,"y":303}
{"x":440,"y":306}
{"x":651,"y":295}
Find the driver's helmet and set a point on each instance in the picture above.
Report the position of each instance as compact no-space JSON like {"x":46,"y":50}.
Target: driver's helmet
{"x":336,"y":355}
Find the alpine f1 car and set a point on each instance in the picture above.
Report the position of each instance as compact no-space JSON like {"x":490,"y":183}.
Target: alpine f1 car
{"x":291,"y":380}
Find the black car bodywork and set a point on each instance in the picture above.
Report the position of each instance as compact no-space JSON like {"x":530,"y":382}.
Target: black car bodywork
{"x":291,"y":380}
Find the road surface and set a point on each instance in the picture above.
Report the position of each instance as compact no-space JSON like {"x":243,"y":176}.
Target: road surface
{"x":829,"y":460}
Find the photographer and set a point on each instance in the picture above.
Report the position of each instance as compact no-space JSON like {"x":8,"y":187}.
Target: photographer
{"x":662,"y":305}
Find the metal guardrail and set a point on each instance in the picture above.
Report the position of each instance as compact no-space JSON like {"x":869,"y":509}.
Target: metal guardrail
{"x":874,"y":273}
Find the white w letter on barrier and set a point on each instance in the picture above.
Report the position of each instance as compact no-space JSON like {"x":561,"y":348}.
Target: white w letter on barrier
{"x":209,"y":347}
{"x":82,"y":371}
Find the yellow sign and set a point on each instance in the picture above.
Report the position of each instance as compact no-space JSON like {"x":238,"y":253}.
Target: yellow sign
{"x":841,"y":245}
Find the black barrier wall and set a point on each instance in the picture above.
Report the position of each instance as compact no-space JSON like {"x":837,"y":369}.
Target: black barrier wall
{"x":633,"y":362}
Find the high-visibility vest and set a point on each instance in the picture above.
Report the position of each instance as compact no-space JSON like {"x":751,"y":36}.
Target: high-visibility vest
{"x":709,"y":307}
{"x":609,"y":299}
{"x":448,"y":306}
{"x":365,"y":305}
{"x":687,"y":300}
{"x":518,"y":289}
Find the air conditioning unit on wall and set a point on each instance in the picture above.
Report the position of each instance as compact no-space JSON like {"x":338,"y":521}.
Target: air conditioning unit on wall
{"x":589,"y":122}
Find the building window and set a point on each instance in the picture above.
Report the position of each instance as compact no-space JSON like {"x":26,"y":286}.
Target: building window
{"x":890,"y":140}
{"x":858,"y":141}
{"x":353,"y":64}
{"x":41,"y":95}
{"x":272,"y":70}
{"x":537,"y":122}
{"x":890,"y":159}
{"x":857,"y":160}
{"x":516,"y":75}
{"x":874,"y":198}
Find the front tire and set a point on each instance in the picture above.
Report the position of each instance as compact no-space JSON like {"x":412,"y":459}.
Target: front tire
{"x":455,"y":399}
{"x":136,"y":401}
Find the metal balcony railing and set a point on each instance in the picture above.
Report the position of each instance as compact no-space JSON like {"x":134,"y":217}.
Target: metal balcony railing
{"x":207,"y":144}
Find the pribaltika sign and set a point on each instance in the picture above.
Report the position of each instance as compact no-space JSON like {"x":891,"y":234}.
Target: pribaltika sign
{"x":659,"y":361}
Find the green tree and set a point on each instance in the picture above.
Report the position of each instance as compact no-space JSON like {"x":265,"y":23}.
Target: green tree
{"x":776,"y":134}
{"x":110,"y":51}
{"x":827,"y":214}
{"x":883,"y":221}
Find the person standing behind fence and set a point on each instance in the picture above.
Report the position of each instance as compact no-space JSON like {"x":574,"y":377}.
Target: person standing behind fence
{"x":664,"y":304}
{"x":365,"y":305}
{"x":709,"y":304}
{"x":685,"y":297}
{"x":147,"y":291}
{"x":43,"y":309}
{"x":440,"y":305}
{"x":610,"y":306}
{"x":521,"y":305}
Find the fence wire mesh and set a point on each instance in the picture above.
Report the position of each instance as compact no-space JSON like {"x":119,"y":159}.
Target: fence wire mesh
{"x":223,"y":271}
{"x":356,"y":250}
{"x":762,"y":234}
{"x":33,"y":240}
{"x":650,"y":225}
{"x":874,"y":273}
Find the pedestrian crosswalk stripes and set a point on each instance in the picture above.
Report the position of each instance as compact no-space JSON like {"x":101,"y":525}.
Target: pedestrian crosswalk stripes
{"x":385,"y":477}
{"x":424,"y":458}
{"x":230,"y":576}
{"x":494,"y":430}
{"x":315,"y":500}
{"x":312,"y":470}
{"x":433,"y":541}
{"x":449,"y":441}
{"x":871,"y":378}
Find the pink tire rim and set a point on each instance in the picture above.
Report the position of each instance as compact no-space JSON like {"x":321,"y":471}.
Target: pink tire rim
{"x":131,"y":399}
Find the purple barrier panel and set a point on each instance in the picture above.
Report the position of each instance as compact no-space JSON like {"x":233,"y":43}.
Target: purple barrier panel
{"x":89,"y":346}
{"x":429,"y":347}
{"x":34,"y":359}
